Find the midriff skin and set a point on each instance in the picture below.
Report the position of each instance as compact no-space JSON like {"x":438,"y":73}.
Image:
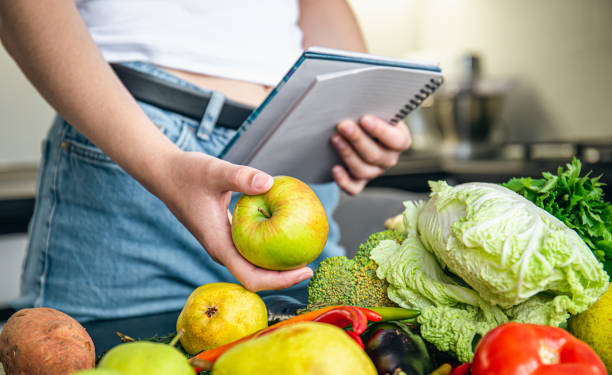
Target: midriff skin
{"x":240,"y":91}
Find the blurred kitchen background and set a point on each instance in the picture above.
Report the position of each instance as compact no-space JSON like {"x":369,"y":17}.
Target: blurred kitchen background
{"x":528,"y":85}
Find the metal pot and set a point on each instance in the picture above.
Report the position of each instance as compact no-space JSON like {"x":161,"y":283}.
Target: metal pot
{"x":467,"y":112}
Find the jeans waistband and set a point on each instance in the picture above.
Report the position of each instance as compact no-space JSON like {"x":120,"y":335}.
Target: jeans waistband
{"x":153,"y":85}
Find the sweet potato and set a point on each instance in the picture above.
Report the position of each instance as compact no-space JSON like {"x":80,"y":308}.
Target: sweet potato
{"x":45,"y":341}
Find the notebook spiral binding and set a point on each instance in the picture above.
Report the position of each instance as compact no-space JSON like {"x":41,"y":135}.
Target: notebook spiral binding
{"x":417,"y":99}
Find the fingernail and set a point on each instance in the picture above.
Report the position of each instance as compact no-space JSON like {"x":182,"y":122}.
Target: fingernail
{"x":338,"y":142}
{"x":305,"y":275}
{"x":346,"y":128}
{"x":337,"y":171}
{"x":260,"y":180}
{"x":368,"y":123}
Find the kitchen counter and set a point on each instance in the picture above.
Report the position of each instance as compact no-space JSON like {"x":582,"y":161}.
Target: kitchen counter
{"x":414,"y":170}
{"x":104,"y":336}
{"x":17,"y":192}
{"x":18,"y":182}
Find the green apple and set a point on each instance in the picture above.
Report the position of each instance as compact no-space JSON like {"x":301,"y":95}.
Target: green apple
{"x":143,"y":357}
{"x":282,"y":229}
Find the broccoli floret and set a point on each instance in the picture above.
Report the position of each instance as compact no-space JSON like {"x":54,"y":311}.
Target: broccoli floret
{"x":353,"y":282}
{"x":390,"y":234}
{"x":319,"y":287}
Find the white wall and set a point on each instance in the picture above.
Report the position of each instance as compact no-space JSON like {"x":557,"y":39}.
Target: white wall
{"x":24,"y":116}
{"x":558,"y":51}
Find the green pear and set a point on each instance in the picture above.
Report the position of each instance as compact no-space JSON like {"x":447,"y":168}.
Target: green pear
{"x":143,"y":357}
{"x":301,"y":348}
{"x":97,"y":371}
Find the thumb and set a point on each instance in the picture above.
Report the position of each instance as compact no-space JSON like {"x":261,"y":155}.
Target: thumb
{"x":245,"y":180}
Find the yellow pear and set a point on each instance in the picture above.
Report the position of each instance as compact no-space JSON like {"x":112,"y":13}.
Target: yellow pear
{"x":219,"y":313}
{"x":301,"y":348}
{"x":594,"y":326}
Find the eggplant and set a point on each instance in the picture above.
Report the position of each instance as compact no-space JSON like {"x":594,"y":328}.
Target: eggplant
{"x":393,"y":347}
{"x":281,"y":307}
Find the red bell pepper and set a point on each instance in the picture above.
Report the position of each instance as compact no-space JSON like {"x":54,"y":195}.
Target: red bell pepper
{"x":530,"y":349}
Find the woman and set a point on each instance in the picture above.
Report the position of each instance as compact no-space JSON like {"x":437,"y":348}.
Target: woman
{"x":130,"y":192}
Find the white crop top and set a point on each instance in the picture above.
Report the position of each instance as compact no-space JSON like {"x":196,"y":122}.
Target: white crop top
{"x":250,"y":40}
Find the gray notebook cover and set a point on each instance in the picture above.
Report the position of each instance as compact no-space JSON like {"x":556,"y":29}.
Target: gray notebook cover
{"x":289,"y":133}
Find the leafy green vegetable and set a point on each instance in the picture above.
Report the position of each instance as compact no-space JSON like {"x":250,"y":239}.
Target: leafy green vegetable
{"x":409,"y":267}
{"x":575,"y":200}
{"x":452,"y":314}
{"x":477,"y":255}
{"x":507,"y":248}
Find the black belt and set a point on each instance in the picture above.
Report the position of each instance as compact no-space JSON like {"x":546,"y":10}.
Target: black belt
{"x":177,"y":98}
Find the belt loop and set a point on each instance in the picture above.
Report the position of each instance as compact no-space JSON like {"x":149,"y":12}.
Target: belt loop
{"x":211,"y":114}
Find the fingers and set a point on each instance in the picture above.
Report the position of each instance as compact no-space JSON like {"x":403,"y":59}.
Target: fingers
{"x":346,"y":182}
{"x":215,"y":232}
{"x":394,"y":137}
{"x":367,"y":150}
{"x":358,"y":167}
{"x":371,"y":151}
{"x":246,"y":180}
{"x":256,"y":279}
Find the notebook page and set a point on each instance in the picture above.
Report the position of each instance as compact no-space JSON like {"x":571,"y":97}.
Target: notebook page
{"x":300,"y":145}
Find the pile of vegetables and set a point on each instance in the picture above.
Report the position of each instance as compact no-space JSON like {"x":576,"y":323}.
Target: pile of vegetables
{"x":480,"y":273}
{"x":478,"y":255}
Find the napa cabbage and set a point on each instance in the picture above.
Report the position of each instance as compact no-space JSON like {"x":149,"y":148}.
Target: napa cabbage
{"x":477,"y":255}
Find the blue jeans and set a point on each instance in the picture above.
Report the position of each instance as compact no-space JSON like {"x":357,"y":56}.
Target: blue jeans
{"x":103,"y":247}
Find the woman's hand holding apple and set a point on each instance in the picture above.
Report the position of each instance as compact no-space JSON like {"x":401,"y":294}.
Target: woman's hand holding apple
{"x":197,"y":189}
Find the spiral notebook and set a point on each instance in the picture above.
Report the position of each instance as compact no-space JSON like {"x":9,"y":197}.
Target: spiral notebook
{"x":289,"y":133}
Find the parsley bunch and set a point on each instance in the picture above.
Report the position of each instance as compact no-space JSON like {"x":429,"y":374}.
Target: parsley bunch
{"x":576,"y":201}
